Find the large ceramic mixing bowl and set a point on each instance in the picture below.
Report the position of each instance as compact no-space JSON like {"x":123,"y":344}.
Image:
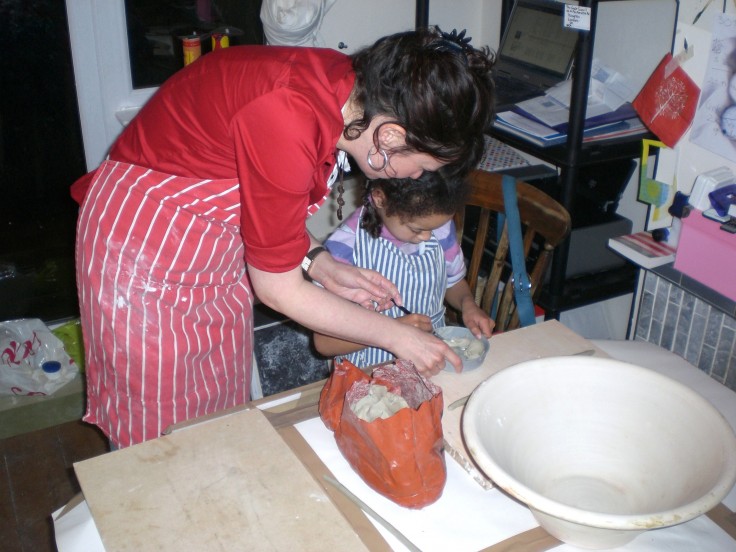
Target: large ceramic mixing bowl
{"x":600,"y":450}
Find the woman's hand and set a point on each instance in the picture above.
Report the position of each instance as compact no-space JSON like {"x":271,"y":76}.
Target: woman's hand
{"x":359,"y":285}
{"x":428,"y":353}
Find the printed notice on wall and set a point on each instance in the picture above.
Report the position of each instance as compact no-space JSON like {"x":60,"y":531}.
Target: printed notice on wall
{"x":577,"y":17}
{"x":714,"y":127}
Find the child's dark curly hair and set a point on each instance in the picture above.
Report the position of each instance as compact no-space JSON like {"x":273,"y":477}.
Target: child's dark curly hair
{"x":410,"y":198}
{"x":436,"y":86}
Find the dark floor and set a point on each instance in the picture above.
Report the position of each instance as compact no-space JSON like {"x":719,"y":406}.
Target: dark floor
{"x":37,"y":479}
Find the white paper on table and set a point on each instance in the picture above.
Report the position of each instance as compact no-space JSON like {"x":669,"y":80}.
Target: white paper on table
{"x":465,"y":518}
{"x":76,"y":531}
{"x":469,"y":518}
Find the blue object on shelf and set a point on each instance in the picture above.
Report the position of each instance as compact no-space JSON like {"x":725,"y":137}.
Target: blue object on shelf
{"x":722,"y":198}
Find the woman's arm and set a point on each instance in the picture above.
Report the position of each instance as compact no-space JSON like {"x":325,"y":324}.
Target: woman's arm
{"x":358,"y":285}
{"x":327,"y":313}
{"x":331,"y":346}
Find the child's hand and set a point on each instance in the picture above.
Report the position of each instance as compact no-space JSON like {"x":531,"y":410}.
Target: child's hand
{"x":420,"y":321}
{"x":477,"y":321}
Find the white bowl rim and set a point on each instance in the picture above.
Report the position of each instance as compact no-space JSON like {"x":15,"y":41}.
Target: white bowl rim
{"x":634,"y":522}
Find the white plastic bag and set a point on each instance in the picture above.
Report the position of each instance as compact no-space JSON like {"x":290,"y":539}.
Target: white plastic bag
{"x":32,"y":359}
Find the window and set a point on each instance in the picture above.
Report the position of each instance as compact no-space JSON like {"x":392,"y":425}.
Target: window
{"x":155,"y":30}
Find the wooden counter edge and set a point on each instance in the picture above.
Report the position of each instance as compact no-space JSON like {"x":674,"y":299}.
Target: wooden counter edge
{"x":722,"y":516}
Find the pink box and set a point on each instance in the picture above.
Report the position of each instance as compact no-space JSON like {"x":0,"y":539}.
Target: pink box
{"x":707,"y":254}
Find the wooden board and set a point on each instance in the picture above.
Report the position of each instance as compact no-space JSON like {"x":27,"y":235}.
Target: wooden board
{"x":230,"y":483}
{"x":546,"y":339}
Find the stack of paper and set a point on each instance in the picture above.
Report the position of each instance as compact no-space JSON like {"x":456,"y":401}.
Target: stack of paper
{"x":643,"y":250}
{"x":608,"y":114}
{"x":542,"y":135}
{"x":550,"y":112}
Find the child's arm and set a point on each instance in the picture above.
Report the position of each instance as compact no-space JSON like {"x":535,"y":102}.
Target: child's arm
{"x":329,"y":346}
{"x":478,"y":322}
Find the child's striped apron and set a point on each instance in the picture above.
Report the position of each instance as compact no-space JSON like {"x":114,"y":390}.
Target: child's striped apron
{"x":421,"y":279}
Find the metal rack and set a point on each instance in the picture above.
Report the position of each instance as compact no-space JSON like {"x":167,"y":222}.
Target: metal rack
{"x":562,"y":294}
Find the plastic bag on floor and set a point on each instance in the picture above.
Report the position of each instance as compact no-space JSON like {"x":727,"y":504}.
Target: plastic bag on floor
{"x":32,"y":359}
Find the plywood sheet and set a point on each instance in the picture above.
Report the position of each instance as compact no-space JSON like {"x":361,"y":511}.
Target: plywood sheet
{"x":230,"y":483}
{"x":546,"y":339}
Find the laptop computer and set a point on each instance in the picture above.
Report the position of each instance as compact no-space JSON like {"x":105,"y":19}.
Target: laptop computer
{"x":536,"y":52}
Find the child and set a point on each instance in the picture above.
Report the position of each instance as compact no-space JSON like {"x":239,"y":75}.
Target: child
{"x":405,"y":231}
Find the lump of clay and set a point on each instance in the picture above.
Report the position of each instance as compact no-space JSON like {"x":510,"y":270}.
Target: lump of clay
{"x":474,"y":350}
{"x":458,"y":342}
{"x":378,"y":403}
{"x":468,"y":348}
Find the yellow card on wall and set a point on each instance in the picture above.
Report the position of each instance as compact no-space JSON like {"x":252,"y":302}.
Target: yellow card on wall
{"x":653,"y":192}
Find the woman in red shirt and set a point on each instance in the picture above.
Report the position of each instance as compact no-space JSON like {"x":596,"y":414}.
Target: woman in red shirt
{"x":207,"y":191}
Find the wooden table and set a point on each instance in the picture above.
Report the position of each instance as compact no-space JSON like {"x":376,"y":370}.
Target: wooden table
{"x":245,"y":479}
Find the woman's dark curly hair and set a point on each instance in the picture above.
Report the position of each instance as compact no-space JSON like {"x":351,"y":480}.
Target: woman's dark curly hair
{"x":434,"y":85}
{"x":410,"y":198}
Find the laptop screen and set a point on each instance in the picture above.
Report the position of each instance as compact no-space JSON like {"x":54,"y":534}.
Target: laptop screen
{"x":536,"y":42}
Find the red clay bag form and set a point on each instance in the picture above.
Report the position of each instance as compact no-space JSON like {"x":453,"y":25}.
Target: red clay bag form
{"x":389,"y":429}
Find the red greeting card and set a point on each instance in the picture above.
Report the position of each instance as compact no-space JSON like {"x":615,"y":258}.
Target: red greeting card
{"x":667,"y":102}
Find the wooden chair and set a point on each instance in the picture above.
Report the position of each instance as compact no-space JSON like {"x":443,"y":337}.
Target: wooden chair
{"x":545,"y":224}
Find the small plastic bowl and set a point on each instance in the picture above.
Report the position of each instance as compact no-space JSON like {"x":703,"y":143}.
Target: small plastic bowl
{"x":456,"y":332}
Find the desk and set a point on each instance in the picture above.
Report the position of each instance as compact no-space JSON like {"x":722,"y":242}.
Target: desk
{"x":190,"y":490}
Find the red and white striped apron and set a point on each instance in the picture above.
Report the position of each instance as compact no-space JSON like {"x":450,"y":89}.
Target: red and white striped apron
{"x":165,"y":302}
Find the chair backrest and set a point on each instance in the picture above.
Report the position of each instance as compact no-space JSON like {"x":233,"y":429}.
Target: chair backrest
{"x":545,"y":224}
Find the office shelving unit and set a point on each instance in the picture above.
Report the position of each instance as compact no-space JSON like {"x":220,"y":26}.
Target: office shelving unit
{"x":562,"y":293}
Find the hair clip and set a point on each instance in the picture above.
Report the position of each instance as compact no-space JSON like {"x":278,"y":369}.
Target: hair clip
{"x":454,"y":40}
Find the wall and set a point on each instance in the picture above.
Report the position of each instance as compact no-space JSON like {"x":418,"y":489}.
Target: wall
{"x":688,"y":160}
{"x":357,"y":23}
{"x":674,"y":311}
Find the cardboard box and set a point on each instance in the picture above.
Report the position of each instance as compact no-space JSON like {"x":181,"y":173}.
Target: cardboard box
{"x":707,"y":254}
